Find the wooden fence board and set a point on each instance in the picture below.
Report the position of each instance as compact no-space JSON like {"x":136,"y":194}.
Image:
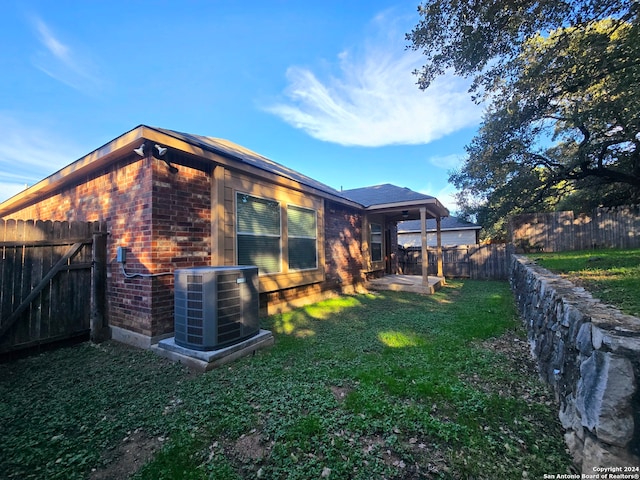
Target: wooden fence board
{"x":565,"y":231}
{"x":463,"y":261}
{"x":45,"y":288}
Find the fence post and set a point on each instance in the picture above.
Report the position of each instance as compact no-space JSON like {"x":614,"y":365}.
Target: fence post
{"x":99,"y":331}
{"x":425,"y":250}
{"x":439,"y":246}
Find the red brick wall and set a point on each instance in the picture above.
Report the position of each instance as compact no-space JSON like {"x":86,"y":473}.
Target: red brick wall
{"x":181,"y":233}
{"x":343,"y":245}
{"x":163,"y":221}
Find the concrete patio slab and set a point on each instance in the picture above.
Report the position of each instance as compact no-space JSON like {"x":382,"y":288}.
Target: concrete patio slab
{"x":406,"y":283}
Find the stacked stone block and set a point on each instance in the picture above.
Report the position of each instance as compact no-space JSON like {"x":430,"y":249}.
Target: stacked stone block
{"x":590,"y":353}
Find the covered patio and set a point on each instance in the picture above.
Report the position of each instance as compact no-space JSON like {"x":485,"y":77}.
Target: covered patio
{"x":388,"y":205}
{"x":406,"y":283}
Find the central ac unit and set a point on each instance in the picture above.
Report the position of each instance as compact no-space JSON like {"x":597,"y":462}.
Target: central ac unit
{"x":215,"y":306}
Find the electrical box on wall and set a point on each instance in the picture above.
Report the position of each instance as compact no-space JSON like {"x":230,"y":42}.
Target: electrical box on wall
{"x":121,"y":255}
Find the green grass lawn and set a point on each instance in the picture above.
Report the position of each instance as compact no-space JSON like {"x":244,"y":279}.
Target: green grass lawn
{"x":613,"y":275}
{"x":391,"y":385}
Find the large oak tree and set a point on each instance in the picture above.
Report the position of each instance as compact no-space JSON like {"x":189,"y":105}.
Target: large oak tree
{"x":561,"y":84}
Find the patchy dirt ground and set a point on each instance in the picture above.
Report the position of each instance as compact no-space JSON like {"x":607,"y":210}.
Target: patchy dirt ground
{"x":517,"y":352}
{"x":134,"y":451}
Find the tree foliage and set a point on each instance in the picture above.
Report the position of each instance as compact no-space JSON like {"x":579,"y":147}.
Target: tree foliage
{"x":561,"y":84}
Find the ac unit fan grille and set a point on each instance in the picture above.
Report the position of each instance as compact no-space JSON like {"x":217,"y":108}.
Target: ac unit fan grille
{"x":229,"y":308}
{"x":215,"y":308}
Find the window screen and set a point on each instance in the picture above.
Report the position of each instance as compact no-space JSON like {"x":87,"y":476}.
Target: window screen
{"x":376,"y":242}
{"x":258,"y":233}
{"x":301,"y":231}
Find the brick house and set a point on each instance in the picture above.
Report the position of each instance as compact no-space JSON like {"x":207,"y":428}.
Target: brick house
{"x":174,"y":200}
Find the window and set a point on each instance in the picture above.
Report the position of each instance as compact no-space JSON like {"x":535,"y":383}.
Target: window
{"x":301,"y":233}
{"x":376,"y":242}
{"x":258,"y":233}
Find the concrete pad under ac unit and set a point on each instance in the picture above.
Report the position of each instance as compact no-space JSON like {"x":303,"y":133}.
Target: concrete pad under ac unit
{"x":203,"y":361}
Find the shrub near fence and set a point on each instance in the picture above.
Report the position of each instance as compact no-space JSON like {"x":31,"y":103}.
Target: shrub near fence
{"x":617,"y":227}
{"x":51,"y":281}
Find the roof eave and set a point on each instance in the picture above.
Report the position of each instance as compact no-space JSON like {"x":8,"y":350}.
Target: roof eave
{"x":222,"y":157}
{"x":99,"y":158}
{"x":124,"y":144}
{"x":432,"y":205}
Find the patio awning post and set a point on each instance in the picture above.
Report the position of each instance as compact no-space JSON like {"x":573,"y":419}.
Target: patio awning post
{"x":424,"y":252}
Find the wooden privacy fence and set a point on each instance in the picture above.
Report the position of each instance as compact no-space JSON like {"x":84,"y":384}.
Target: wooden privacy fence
{"x":462,"y":261}
{"x":52,"y":281}
{"x":617,"y":227}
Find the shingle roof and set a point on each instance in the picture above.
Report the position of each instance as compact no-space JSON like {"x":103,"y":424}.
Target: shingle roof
{"x":366,"y":196}
{"x":99,"y":158}
{"x":244,"y":155}
{"x":448,"y":223}
{"x":382,"y":194}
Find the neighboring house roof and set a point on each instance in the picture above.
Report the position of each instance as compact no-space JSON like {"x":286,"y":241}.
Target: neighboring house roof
{"x":447,"y":223}
{"x":382,"y":194}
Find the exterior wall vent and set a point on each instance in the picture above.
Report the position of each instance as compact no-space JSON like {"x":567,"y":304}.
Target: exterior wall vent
{"x":215,"y":307}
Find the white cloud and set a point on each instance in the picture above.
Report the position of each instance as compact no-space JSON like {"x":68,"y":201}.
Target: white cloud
{"x":63,"y":62}
{"x":446,"y":196}
{"x":448,"y":162}
{"x":8,"y":190}
{"x":374,"y":99}
{"x":29,"y":153}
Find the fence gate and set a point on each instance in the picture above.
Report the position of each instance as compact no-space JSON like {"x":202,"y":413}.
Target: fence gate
{"x":52,"y":279}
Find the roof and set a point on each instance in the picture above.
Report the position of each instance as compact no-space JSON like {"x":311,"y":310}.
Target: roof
{"x":382,"y":198}
{"x":249,"y":157}
{"x":383,"y":194}
{"x":447,"y":223}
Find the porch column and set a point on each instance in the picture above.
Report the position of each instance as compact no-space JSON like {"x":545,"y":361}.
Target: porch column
{"x":439,"y":245}
{"x":424,"y":253}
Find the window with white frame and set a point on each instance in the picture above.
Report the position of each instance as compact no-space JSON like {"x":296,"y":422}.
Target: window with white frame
{"x":302,"y":245}
{"x":375,"y":242}
{"x":258,"y":233}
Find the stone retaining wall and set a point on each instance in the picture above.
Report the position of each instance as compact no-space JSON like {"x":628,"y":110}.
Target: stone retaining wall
{"x":590,"y":353}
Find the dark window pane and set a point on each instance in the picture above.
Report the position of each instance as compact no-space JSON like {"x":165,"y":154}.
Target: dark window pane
{"x":376,"y":252}
{"x":263,"y":252}
{"x":376,"y":242}
{"x":302,"y":253}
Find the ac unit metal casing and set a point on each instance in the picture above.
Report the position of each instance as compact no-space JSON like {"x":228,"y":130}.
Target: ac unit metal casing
{"x":215,"y":306}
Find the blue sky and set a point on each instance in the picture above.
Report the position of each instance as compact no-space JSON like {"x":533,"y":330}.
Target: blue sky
{"x":324,"y":87}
